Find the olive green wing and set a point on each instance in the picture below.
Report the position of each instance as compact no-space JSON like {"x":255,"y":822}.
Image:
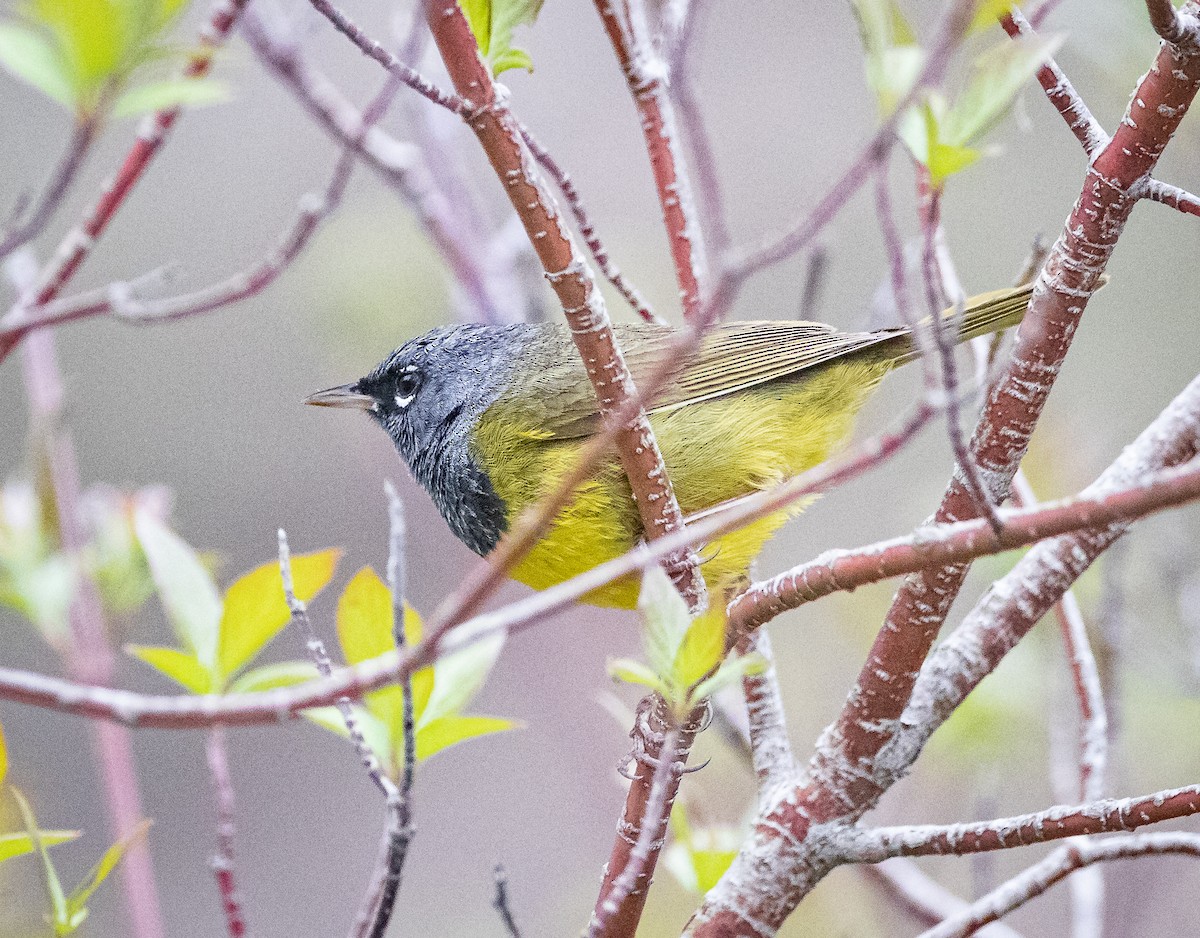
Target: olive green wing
{"x":552,"y":397}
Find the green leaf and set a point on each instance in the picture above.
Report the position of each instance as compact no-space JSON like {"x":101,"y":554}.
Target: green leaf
{"x":172,"y":93}
{"x":945,"y":160}
{"x":634,"y":672}
{"x":666,"y":620}
{"x":42,"y":592}
{"x":364,"y":624}
{"x":77,"y":902}
{"x":493,"y":22}
{"x":17,"y":845}
{"x":893,"y":57}
{"x":185,"y":587}
{"x":273,"y":676}
{"x":58,"y":899}
{"x":698,"y":859}
{"x":732,"y":670}
{"x":458,"y":677}
{"x":444,"y":732}
{"x":179,"y":666}
{"x":255,"y":609}
{"x":702,"y":647}
{"x":997,"y":77}
{"x":31,"y":57}
{"x":987,"y":14}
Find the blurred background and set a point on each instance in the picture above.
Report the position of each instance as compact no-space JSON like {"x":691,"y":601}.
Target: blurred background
{"x":209,"y":408}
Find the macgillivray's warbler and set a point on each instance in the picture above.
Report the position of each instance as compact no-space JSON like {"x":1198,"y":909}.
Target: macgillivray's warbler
{"x":488,"y":418}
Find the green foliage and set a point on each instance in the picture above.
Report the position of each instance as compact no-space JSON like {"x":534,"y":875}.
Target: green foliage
{"x":942,"y":133}
{"x":83,"y":54}
{"x":36,"y":580}
{"x":68,"y":912}
{"x":219,"y":636}
{"x":493,"y":22}
{"x":440,"y":692}
{"x":698,"y":858}
{"x":683,"y":654}
{"x":15,"y":845}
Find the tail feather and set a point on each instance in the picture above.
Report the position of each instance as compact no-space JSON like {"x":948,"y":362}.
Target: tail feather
{"x":982,"y":315}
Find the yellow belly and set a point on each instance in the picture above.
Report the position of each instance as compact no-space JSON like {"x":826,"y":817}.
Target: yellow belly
{"x":714,"y":451}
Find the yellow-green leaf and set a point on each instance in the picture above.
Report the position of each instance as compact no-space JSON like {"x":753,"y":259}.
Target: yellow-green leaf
{"x":457,"y":678}
{"x":77,"y":902}
{"x":32,"y":58}
{"x":493,"y":21}
{"x":256,"y":610}
{"x":185,"y":587}
{"x":176,"y":92}
{"x":987,"y":14}
{"x":633,"y":672}
{"x":702,"y":648}
{"x":58,"y":899}
{"x":665,"y":620}
{"x":179,"y":666}
{"x":17,"y":845}
{"x":444,"y":732}
{"x":3,"y":756}
{"x":373,"y":730}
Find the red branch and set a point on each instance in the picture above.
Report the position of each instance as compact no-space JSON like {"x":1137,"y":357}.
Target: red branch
{"x":645,"y":74}
{"x":1057,"y":823}
{"x":843,"y":784}
{"x":153,"y":133}
{"x":840,"y":570}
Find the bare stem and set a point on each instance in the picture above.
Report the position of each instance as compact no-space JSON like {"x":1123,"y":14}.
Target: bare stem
{"x":223,"y":865}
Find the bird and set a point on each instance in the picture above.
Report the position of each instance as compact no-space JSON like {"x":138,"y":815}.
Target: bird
{"x":489,"y":417}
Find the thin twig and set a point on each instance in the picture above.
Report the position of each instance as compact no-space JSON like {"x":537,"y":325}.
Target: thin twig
{"x":1053,"y":869}
{"x":400,"y":827}
{"x":1062,"y":94}
{"x":1178,"y":199}
{"x":501,"y":903}
{"x":223,"y":865}
{"x":374,"y":50}
{"x":587,"y":229}
{"x":79,"y":242}
{"x":921,"y":896}
{"x":400,"y":165}
{"x":122,"y":300}
{"x":82,"y":136}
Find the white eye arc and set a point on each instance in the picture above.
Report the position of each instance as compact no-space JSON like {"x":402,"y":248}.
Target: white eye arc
{"x":404,"y":401}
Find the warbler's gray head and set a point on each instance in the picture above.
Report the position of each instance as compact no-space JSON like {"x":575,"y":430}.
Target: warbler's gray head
{"x":429,"y":395}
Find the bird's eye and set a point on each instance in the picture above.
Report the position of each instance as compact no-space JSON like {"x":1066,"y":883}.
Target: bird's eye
{"x":406,"y":388}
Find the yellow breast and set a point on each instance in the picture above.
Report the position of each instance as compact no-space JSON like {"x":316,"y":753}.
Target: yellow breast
{"x":715,"y":450}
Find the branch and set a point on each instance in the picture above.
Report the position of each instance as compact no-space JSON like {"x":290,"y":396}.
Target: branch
{"x":82,"y":137}
{"x":121,"y":300}
{"x":399,"y":831}
{"x":771,"y":751}
{"x":921,"y":896}
{"x":501,"y":903}
{"x":938,"y":544}
{"x":1062,"y":94}
{"x":153,"y":132}
{"x":499,"y":135}
{"x":1178,"y":199}
{"x":645,"y":74}
{"x":373,"y":50}
{"x":1176,"y":27}
{"x":399,"y":165}
{"x":223,"y":862}
{"x":1038,"y":878}
{"x":587,"y":229}
{"x":1062,"y":821}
